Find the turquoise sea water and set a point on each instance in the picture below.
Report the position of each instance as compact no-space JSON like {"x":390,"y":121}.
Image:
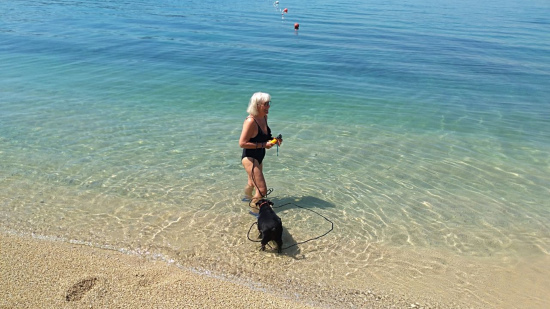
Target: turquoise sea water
{"x":420,"y":128}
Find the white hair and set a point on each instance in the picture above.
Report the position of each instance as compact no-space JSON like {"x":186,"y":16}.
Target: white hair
{"x":255,"y":100}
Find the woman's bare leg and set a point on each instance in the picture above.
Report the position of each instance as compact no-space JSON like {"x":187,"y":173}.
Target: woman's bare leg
{"x":248,"y":190}
{"x":255,"y":177}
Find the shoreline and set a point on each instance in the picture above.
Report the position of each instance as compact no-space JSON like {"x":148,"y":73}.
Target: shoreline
{"x":38,"y":272}
{"x":50,"y":274}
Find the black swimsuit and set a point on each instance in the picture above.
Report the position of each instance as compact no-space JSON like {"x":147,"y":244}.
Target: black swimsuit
{"x":260,"y":138}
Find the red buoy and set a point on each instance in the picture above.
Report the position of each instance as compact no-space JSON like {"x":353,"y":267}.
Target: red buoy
{"x":296,"y":26}
{"x":285,"y":10}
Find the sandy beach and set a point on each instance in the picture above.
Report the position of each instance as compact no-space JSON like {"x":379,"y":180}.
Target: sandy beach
{"x":44,"y":273}
{"x":49,"y":274}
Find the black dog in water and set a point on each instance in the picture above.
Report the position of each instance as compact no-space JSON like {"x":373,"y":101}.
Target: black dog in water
{"x":269,"y":225}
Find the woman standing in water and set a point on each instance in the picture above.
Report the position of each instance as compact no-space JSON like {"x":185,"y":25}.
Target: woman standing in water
{"x":254,"y":140}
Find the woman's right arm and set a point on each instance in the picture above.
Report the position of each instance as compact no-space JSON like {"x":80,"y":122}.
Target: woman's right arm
{"x":247,"y":133}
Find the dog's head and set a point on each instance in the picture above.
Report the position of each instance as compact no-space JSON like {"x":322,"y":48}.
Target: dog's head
{"x":263,"y":202}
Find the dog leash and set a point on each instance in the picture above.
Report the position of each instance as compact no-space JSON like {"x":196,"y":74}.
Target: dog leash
{"x":298,"y":243}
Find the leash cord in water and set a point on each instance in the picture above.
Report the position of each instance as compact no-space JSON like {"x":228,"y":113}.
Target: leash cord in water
{"x":302,"y":242}
{"x":257,"y":188}
{"x":269,"y":192}
{"x":254,"y":179}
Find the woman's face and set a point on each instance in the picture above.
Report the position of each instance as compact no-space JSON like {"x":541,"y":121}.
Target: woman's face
{"x":264,"y":107}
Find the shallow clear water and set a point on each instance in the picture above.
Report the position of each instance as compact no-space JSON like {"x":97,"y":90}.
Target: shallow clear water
{"x":420,"y":129}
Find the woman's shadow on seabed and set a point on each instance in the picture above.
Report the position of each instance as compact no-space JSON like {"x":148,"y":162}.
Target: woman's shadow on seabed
{"x":306,"y":203}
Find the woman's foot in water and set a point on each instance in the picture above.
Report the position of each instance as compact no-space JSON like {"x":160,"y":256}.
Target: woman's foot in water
{"x":248,"y":193}
{"x":255,"y":199}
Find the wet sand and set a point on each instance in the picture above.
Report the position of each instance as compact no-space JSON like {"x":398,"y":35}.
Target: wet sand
{"x":42,"y":273}
{"x":48,"y":274}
